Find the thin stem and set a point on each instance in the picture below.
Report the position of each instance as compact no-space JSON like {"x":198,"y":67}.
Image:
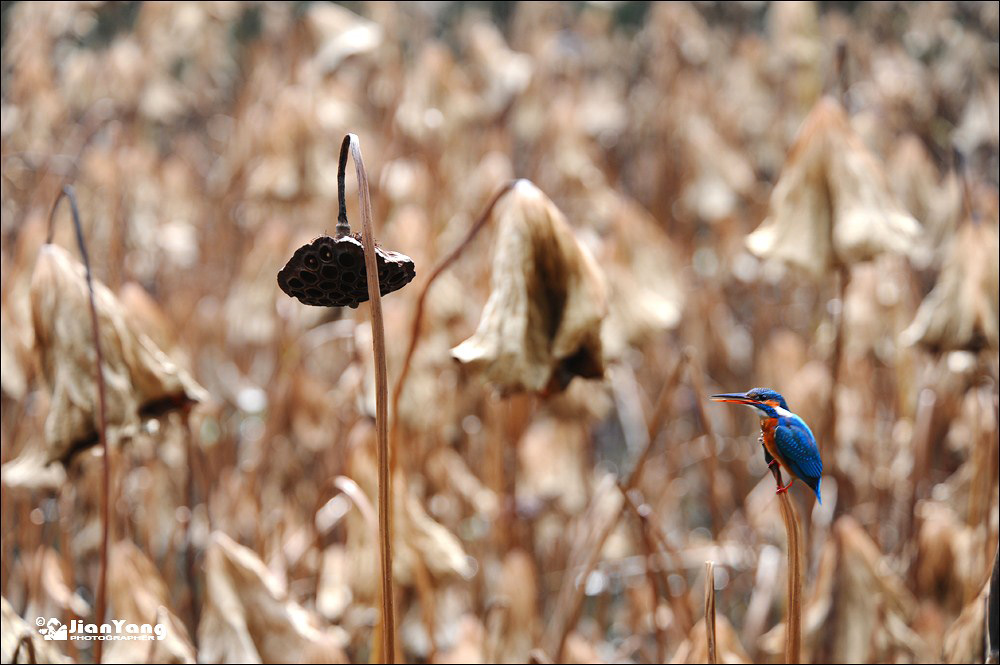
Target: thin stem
{"x":343,"y":226}
{"x":793,"y":621}
{"x":381,"y":400}
{"x":189,"y":554}
{"x":710,"y":611}
{"x":993,"y":612}
{"x":102,"y":585}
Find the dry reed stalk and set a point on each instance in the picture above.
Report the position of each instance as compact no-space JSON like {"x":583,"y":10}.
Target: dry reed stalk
{"x":793,"y":620}
{"x":993,"y":612}
{"x":710,"y":610}
{"x":189,"y":553}
{"x":102,"y":423}
{"x":388,"y":627}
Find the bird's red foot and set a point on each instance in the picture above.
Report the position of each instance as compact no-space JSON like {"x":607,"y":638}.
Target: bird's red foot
{"x":782,"y":490}
{"x":773,"y":463}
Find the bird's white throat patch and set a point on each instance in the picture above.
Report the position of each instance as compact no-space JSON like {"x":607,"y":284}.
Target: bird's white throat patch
{"x":784,"y":413}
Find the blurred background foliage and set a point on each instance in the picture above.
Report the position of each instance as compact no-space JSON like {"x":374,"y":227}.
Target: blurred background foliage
{"x":202,"y":139}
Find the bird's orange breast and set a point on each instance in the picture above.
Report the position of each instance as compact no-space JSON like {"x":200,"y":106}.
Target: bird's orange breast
{"x":767,"y":426}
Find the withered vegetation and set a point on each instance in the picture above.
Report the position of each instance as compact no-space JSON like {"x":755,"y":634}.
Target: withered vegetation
{"x":613,"y":210}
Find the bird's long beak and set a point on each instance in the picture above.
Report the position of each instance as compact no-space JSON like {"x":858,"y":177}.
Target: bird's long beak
{"x":735,"y":398}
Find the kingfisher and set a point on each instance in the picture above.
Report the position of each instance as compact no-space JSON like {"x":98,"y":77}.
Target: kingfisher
{"x":787,"y":439}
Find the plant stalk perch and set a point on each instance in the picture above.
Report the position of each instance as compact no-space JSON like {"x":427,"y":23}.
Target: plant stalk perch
{"x":381,"y":401}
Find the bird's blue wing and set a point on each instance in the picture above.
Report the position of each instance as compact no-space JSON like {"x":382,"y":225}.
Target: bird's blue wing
{"x":797,"y":446}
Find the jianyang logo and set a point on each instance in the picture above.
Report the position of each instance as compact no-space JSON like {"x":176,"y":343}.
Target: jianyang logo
{"x":52,"y":629}
{"x":118,"y":629}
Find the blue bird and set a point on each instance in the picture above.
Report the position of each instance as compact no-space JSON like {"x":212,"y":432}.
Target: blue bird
{"x":787,"y":439}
